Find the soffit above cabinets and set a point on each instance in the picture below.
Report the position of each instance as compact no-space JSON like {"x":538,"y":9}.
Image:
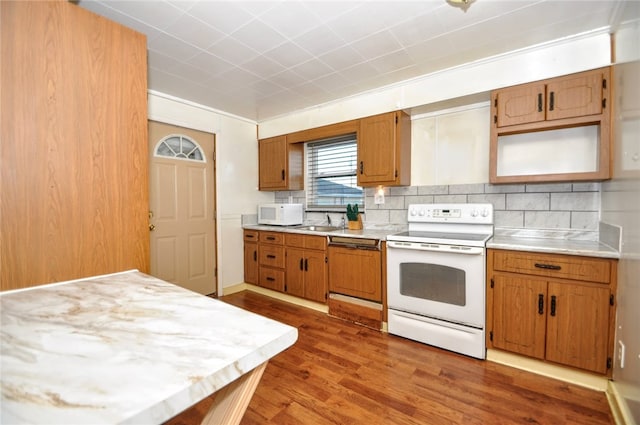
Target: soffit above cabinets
{"x":262,"y":59}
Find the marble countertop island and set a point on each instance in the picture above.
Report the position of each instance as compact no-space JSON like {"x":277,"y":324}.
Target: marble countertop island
{"x":123,"y":348}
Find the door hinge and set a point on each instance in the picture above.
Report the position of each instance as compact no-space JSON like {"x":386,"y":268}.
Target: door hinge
{"x":396,"y":174}
{"x":604,"y":83}
{"x":491,"y":336}
{"x":604,"y":103}
{"x":495,"y":119}
{"x":492,"y":283}
{"x":326,"y":296}
{"x":396,"y":119}
{"x":326,"y":259}
{"x":611,"y":299}
{"x":285,"y":288}
{"x":215,"y":272}
{"x":609,"y":362}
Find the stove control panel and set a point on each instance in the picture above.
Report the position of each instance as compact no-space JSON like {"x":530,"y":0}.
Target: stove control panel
{"x":451,"y":213}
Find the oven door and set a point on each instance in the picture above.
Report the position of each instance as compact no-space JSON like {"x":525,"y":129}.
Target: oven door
{"x":440,"y":281}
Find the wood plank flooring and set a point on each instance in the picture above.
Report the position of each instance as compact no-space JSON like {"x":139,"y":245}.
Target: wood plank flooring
{"x":340,"y":373}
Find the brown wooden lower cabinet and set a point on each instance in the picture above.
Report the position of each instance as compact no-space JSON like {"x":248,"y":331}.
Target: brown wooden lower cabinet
{"x":292,"y":263}
{"x":558,"y":308}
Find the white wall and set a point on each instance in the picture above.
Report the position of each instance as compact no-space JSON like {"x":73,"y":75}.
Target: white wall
{"x":621,"y":207}
{"x":236,"y":174}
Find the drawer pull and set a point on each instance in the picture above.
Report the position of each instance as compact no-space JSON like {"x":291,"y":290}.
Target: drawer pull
{"x":553,"y":305}
{"x":540,"y":304}
{"x":271,"y":279}
{"x":547,"y":266}
{"x":271,"y":256}
{"x":249,"y":236}
{"x":271,"y":238}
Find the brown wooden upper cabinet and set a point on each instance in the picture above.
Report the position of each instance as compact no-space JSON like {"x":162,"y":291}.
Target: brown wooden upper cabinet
{"x":537,"y":127}
{"x":575,"y":95}
{"x":280,"y":164}
{"x":384,"y":150}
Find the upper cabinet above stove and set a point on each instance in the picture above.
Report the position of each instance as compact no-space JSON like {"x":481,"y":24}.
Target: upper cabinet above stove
{"x":552,"y":130}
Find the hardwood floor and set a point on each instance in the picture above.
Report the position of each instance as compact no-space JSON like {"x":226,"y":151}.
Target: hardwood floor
{"x":340,"y":373}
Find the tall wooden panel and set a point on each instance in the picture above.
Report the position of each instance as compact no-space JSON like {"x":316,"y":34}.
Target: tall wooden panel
{"x":74,"y":145}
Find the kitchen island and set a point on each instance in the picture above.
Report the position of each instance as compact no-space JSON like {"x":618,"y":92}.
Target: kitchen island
{"x":128,"y":348}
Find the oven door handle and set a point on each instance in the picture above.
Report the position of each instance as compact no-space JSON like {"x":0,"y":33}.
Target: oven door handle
{"x":454,"y":249}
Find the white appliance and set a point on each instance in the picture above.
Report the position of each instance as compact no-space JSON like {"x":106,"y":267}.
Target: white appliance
{"x":280,"y":214}
{"x":436,"y":276}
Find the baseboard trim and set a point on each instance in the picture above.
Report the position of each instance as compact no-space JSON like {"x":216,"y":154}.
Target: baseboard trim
{"x":584,"y":379}
{"x":618,"y":403}
{"x":228,"y":290}
{"x":323,"y":308}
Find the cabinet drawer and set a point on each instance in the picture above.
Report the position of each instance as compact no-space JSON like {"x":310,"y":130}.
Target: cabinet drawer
{"x":271,"y":255}
{"x":251,"y":236}
{"x":306,"y":241}
{"x":271,"y":278}
{"x":315,"y":242}
{"x":553,"y":265}
{"x":275,"y":238}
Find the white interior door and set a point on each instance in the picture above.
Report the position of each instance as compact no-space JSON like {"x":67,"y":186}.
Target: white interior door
{"x":182,"y":207}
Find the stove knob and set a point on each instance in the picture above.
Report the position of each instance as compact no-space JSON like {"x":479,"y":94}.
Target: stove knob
{"x":485,"y":213}
{"x":412,"y":212}
{"x":474,"y":213}
{"x":421,"y":213}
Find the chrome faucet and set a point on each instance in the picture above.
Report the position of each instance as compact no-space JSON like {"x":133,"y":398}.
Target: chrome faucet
{"x":328,"y":219}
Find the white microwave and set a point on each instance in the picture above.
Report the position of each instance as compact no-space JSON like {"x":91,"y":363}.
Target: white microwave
{"x":280,"y":214}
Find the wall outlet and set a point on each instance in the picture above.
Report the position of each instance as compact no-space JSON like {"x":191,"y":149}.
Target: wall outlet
{"x":621,"y":354}
{"x":378,"y":198}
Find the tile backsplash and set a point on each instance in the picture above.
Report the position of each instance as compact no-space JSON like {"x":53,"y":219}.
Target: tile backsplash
{"x":533,"y":206}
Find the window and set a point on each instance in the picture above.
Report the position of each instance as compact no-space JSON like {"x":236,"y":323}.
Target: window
{"x":331,"y":174}
{"x":181,"y":147}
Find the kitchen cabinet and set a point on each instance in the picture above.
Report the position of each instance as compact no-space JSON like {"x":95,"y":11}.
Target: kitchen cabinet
{"x":558,"y":308}
{"x":355,"y":272}
{"x":74,"y":177}
{"x":280,"y":164}
{"x":306,"y":266}
{"x":251,"y":266}
{"x":384,"y":150}
{"x":271,"y":259}
{"x":562,"y":103}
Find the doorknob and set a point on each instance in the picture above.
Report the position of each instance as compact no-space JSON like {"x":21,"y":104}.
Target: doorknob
{"x":151,"y":227}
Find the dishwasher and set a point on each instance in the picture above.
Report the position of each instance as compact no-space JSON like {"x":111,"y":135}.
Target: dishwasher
{"x":355,"y":280}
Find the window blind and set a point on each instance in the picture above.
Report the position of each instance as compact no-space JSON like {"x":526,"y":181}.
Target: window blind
{"x":331,"y":174}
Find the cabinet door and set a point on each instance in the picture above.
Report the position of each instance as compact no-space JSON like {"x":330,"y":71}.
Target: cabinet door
{"x":520,"y":105}
{"x":355,"y":272}
{"x":575,"y":96}
{"x":315,"y":279}
{"x":377,"y":149}
{"x":273,"y":162}
{"x":519,"y":315}
{"x":578,"y":325}
{"x":295,"y":275}
{"x":251,"y":263}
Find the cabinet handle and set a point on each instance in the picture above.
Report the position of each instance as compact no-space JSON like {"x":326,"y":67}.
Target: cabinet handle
{"x":301,"y":264}
{"x":255,"y":255}
{"x":271,"y":238}
{"x":361,"y":167}
{"x":540,"y":304}
{"x":547,"y":266}
{"x":551,"y":100}
{"x":553,"y":305}
{"x":539,"y":102}
{"x":271,"y":279}
{"x":306,"y":265}
{"x":282,"y":175}
{"x":271,"y":256}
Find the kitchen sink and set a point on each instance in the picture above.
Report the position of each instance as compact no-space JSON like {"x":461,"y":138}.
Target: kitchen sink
{"x":319,"y":228}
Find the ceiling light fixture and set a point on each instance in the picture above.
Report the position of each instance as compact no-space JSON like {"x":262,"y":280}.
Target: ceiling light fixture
{"x":462,"y":4}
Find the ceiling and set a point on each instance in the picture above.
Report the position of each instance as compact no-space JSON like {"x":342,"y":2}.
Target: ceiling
{"x":260,"y":59}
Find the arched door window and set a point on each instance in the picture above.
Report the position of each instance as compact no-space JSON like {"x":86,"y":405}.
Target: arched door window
{"x":180,"y":146}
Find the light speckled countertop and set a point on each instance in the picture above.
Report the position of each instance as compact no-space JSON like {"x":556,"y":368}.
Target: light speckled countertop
{"x":371,"y":232}
{"x":551,"y":242}
{"x":123,"y":348}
